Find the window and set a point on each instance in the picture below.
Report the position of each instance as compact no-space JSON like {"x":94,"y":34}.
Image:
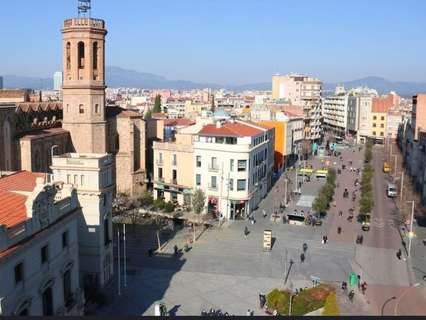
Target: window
{"x":198,"y":161}
{"x":241,"y":184}
{"x":75,"y":179}
{"x":67,"y":288}
{"x":231,"y":184}
{"x":374,"y":118}
{"x":68,"y":55}
{"x":48,"y":302}
{"x":106,"y":231}
{"x":198,"y":179}
{"x":95,"y":56}
{"x":81,"y":109}
{"x":68,"y":178}
{"x":65,"y":240}
{"x":382,"y":125}
{"x":374,"y":125}
{"x":381,"y":133}
{"x":160,"y":173}
{"x":242,"y":164}
{"x":174,"y":175}
{"x":213,"y":182}
{"x":231,"y":165}
{"x":81,"y":180}
{"x":19,"y":273}
{"x":96,"y":108}
{"x":44,"y":254}
{"x":81,"y":55}
{"x":383,"y":118}
{"x":374,"y":133}
{"x":174,"y":161}
{"x":214,"y":163}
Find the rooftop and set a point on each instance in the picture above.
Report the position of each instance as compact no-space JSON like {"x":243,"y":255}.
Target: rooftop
{"x":178,"y":122}
{"x":20,"y":181}
{"x":230,"y":129}
{"x":71,"y":155}
{"x":40,"y":134}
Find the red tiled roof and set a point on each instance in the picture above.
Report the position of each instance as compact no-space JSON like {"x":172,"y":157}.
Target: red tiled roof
{"x":178,"y":122}
{"x":159,"y":115}
{"x":20,"y":181}
{"x":230,"y":129}
{"x":12,"y":208}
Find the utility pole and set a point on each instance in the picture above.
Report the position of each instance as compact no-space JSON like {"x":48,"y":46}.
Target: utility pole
{"x":285,"y":192}
{"x":124,"y":253}
{"x":402,"y":183}
{"x":410,"y":235}
{"x":396,"y":159}
{"x":119,"y":263}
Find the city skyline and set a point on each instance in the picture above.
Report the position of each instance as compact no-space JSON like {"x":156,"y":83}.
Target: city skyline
{"x":227,"y":48}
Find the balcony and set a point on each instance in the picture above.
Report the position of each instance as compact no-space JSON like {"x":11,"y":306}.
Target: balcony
{"x":159,"y":162}
{"x":213,"y":168}
{"x":174,"y":181}
{"x":212,"y":187}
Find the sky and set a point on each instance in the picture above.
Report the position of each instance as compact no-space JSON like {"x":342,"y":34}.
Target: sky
{"x":229,"y":41}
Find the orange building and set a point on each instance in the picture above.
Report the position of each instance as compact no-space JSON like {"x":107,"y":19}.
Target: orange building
{"x":280,"y":133}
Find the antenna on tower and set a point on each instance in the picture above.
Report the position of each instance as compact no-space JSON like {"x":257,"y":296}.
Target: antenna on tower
{"x":84,"y":7}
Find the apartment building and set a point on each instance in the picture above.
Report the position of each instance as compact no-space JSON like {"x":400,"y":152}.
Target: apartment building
{"x":419,"y":108}
{"x":39,"y":257}
{"x":174,"y":167}
{"x":365,"y":103}
{"x":393,"y":120}
{"x":233,"y":163}
{"x":335,"y":114}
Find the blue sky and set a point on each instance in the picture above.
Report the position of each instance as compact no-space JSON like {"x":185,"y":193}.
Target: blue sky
{"x":229,"y":41}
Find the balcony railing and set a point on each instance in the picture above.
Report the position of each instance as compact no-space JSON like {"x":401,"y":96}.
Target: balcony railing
{"x":212,"y":187}
{"x":213,"y":168}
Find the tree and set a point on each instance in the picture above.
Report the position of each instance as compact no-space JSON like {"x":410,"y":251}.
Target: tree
{"x":157,"y":104}
{"x":169,"y":207}
{"x":146,"y":199}
{"x":198,"y":201}
{"x":148,"y":114}
{"x":213,"y":107}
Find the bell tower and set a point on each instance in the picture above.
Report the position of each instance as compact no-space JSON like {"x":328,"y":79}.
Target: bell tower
{"x":84,"y":81}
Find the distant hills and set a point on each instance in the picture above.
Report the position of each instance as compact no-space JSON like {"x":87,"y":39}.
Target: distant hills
{"x":119,"y":77}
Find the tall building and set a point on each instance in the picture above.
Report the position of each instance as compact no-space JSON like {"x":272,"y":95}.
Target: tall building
{"x":365,"y":103}
{"x":84,"y":84}
{"x":418,"y":115}
{"x":57,"y":81}
{"x":302,"y":91}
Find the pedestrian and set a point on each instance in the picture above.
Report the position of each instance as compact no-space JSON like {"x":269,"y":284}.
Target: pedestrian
{"x":364,"y":287}
{"x":264,"y":213}
{"x":175,"y":249}
{"x":358,"y":281}
{"x":305,"y":247}
{"x":246,"y":231}
{"x":325,"y":239}
{"x":398,"y":254}
{"x":248,"y":312}
{"x":340,"y":213}
{"x":302,"y":257}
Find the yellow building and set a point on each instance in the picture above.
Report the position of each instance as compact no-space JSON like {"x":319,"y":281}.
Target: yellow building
{"x":174,"y":169}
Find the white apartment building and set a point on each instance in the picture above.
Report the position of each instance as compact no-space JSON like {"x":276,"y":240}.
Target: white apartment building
{"x":393,"y":120}
{"x":233,"y":166}
{"x":365,"y":103}
{"x":174,"y":110}
{"x":39,"y":257}
{"x":91,"y":176}
{"x":294,"y":132}
{"x":335,"y":114}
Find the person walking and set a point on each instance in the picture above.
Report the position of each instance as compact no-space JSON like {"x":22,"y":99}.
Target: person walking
{"x":364,"y":287}
{"x":246,"y":232}
{"x":302,"y":257}
{"x":305,"y":247}
{"x":248,"y":313}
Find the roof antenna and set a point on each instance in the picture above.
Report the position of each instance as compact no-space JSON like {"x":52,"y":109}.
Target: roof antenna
{"x":84,"y":7}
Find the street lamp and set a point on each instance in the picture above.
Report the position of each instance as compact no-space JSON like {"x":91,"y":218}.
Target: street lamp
{"x":411,"y":233}
{"x":385,"y":303}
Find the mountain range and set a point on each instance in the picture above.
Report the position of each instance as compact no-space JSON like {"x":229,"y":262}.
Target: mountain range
{"x":119,"y":77}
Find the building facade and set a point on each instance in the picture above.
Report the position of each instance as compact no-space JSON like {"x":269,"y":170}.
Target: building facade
{"x":39,"y":253}
{"x":233,"y":166}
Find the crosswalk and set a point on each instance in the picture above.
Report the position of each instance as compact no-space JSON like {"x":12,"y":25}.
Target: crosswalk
{"x":381,"y":223}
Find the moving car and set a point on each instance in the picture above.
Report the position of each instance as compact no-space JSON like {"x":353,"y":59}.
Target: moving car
{"x":391,"y":190}
{"x":386,"y":167}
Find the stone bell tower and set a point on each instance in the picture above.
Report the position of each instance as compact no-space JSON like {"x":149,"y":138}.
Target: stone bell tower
{"x":84,"y":83}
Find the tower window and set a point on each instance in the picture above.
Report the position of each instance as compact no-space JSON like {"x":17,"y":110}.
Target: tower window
{"x":68,"y":53}
{"x":96,"y":108}
{"x":81,"y":55}
{"x":95,"y":56}
{"x":80,"y":109}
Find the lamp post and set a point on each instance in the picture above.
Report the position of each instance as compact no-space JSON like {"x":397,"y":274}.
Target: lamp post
{"x":385,"y":303}
{"x":411,"y":234}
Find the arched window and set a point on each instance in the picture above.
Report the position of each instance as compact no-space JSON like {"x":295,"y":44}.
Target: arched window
{"x":80,"y":108}
{"x":68,"y":52}
{"x":95,"y":56}
{"x":81,"y":55}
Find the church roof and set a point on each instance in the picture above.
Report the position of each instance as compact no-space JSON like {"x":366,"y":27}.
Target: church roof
{"x":38,"y":106}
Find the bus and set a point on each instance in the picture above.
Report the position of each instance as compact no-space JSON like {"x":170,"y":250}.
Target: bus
{"x":321,"y":173}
